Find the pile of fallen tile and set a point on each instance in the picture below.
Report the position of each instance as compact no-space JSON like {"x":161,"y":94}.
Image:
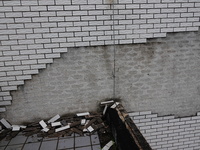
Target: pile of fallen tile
{"x":58,"y":126}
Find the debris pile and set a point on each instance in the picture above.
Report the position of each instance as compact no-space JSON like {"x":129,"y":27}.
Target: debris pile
{"x":58,"y":126}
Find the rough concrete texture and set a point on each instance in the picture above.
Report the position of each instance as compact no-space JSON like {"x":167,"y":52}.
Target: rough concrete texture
{"x":161,"y":75}
{"x":73,"y":83}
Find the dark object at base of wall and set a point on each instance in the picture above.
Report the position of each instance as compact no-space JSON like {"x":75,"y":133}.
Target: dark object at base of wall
{"x":127,"y":136}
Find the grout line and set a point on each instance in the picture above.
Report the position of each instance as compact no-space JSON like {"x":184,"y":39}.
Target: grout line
{"x":7,"y":144}
{"x":25,"y":142}
{"x":40,"y":143}
{"x":74,"y":140}
{"x":57,"y":143}
{"x":91,"y":142}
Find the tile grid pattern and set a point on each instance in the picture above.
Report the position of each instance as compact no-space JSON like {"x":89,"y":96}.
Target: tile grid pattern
{"x":33,"y":33}
{"x":74,"y":142}
{"x":168,"y":132}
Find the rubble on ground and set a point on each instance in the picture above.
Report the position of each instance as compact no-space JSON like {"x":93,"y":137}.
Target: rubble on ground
{"x":60,"y":126}
{"x":57,"y":126}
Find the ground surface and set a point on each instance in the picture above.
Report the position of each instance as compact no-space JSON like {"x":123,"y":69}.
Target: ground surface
{"x":73,"y":142}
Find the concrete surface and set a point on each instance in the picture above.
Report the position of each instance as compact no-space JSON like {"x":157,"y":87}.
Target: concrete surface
{"x":74,"y":142}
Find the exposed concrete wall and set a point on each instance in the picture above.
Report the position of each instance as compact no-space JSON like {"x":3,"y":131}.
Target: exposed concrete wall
{"x":161,"y":75}
{"x":73,"y":83}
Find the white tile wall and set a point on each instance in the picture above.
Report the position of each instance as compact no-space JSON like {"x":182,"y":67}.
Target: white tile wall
{"x":168,"y":132}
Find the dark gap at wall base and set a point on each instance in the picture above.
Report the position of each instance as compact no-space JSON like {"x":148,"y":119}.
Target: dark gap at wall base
{"x":124,"y":139}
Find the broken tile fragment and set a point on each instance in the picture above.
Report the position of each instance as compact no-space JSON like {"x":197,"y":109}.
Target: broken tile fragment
{"x":62,"y":128}
{"x":104,"y":110}
{"x":45,"y":129}
{"x":90,"y":129}
{"x":43,"y":124}
{"x":23,"y":127}
{"x":87,"y":121}
{"x":54,"y":124}
{"x":114,"y":105}
{"x":83,"y":114}
{"x":83,"y":121}
{"x":85,"y":130}
{"x":107,"y":102}
{"x":54,"y":119}
{"x":108,"y":145}
{"x":5,"y":123}
{"x":15,"y":128}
